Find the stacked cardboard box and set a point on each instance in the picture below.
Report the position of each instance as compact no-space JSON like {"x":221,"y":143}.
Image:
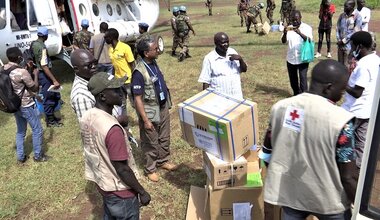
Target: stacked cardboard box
{"x":225,"y":129}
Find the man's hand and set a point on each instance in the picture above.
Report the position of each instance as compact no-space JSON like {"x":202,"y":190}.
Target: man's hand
{"x":340,"y":43}
{"x":56,"y":85}
{"x":194,"y":33}
{"x":234,"y":57}
{"x":144,"y":198}
{"x":148,"y":125}
{"x":123,"y":120}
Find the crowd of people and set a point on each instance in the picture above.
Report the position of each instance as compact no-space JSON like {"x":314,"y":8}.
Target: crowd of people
{"x":295,"y":149}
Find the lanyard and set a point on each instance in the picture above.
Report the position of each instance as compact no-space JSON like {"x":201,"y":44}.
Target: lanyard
{"x":155,"y":74}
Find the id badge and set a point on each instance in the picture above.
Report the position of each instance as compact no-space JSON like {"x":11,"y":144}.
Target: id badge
{"x":154,"y":79}
{"x":162,"y":96}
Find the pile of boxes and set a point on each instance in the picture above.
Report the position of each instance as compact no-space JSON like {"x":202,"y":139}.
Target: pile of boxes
{"x":227,"y":131}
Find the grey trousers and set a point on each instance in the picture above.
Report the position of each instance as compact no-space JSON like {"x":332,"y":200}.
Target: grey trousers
{"x":361,"y":126}
{"x":155,"y":144}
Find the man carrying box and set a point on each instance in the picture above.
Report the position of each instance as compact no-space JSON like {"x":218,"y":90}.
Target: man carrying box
{"x":152,"y":101}
{"x":312,"y":167}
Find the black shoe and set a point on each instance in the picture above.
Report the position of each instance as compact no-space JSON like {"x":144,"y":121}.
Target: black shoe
{"x":181,"y":57}
{"x":21,"y":162}
{"x":188,"y":55}
{"x":42,"y":158}
{"x":53,"y":124}
{"x":249,"y":31}
{"x":173,"y":53}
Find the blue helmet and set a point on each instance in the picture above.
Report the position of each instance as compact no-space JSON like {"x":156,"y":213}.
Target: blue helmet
{"x":182,"y":8}
{"x":175,"y":9}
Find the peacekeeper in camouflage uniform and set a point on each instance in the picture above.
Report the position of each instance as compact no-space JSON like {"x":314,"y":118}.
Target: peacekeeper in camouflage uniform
{"x":82,"y":38}
{"x":271,"y":5}
{"x":253,"y":12}
{"x":208,"y":4}
{"x":183,"y":26}
{"x":242,"y":8}
{"x":287,"y":6}
{"x":174,"y":29}
{"x":143,"y":30}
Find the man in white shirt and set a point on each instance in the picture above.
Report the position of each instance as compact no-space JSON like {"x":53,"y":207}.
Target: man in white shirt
{"x":295,"y":34}
{"x":360,"y":91}
{"x":222,"y":67}
{"x":364,"y":12}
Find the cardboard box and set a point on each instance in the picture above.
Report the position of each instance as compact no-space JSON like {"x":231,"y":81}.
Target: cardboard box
{"x":223,"y":126}
{"x":252,"y":154}
{"x":243,"y":203}
{"x":223,"y":174}
{"x":196,"y":205}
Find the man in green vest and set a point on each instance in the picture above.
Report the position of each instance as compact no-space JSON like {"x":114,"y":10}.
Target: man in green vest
{"x":309,"y":147}
{"x":152,"y":102}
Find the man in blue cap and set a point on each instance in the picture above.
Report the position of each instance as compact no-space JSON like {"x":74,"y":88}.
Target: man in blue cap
{"x":143,"y":30}
{"x":174,"y":29}
{"x":46,"y":78}
{"x":82,"y":38}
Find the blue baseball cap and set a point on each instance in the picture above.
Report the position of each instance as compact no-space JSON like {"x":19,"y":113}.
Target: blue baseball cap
{"x":85,"y":23}
{"x":42,"y":31}
{"x":143,"y":25}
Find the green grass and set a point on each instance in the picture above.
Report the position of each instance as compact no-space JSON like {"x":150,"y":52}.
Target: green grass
{"x":57,"y":189}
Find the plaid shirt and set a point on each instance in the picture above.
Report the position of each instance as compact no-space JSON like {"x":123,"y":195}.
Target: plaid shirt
{"x":81,"y":99}
{"x":346,"y":26}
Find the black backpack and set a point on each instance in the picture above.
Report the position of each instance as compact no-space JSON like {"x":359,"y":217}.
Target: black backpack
{"x":10,"y":102}
{"x":28,"y":54}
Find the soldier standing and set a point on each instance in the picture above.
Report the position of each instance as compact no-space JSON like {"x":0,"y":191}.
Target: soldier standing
{"x":242,"y":11}
{"x":183,"y":25}
{"x":253,"y":12}
{"x":208,"y":4}
{"x":287,"y":6}
{"x":82,"y":38}
{"x":270,"y":8}
{"x":174,"y":29}
{"x":143,"y":30}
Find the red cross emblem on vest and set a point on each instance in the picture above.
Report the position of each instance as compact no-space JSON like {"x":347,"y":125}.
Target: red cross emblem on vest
{"x":294,"y":115}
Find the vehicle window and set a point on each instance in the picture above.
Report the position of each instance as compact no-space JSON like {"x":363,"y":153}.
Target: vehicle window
{"x":40,"y":13}
{"x":3,"y":15}
{"x":95,"y":9}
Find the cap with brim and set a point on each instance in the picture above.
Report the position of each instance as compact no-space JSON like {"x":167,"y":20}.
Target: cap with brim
{"x":102,"y":80}
{"x":42,"y":31}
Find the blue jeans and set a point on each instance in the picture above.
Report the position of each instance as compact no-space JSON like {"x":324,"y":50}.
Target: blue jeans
{"x":105,"y":67}
{"x":293,"y":214}
{"x":51,"y":99}
{"x":116,"y":208}
{"x":24,"y":116}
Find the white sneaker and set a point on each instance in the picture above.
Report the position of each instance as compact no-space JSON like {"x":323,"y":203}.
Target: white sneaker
{"x":329,"y":55}
{"x":317,"y":55}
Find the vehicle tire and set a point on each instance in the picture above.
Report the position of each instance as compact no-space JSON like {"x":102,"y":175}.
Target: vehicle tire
{"x":160,"y":42}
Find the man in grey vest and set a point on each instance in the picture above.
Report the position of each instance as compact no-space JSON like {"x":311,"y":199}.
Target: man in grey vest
{"x":152,"y":101}
{"x":309,"y":147}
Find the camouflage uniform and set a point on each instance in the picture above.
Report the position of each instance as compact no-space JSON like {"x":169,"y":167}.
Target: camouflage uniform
{"x":287,"y":6}
{"x":183,"y":34}
{"x":142,"y":36}
{"x":270,"y":8}
{"x":252,"y":14}
{"x":175,"y":36}
{"x":242,"y":11}
{"x":209,"y":6}
{"x":82,"y":39}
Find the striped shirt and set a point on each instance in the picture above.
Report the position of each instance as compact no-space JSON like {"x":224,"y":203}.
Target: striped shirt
{"x":82,"y":100}
{"x":222,"y":74}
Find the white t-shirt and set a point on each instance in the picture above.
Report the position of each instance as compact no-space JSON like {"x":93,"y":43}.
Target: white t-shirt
{"x":222,"y":74}
{"x":364,"y":75}
{"x":365,"y":13}
{"x":295,"y":43}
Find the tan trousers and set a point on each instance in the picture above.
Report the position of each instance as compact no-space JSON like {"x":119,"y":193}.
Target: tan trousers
{"x":155,"y":144}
